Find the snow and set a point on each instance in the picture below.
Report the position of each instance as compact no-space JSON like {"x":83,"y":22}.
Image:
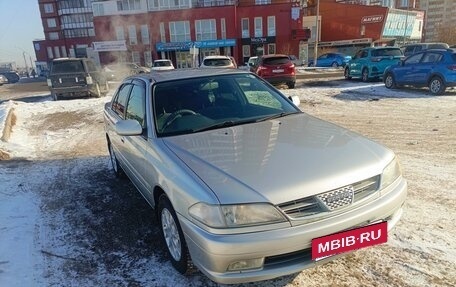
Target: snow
{"x":421,"y":252}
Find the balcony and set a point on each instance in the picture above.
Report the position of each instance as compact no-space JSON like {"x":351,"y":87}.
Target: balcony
{"x":69,"y":11}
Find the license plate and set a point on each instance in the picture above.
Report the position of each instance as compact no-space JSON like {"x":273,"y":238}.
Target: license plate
{"x":349,"y":240}
{"x":278,"y":71}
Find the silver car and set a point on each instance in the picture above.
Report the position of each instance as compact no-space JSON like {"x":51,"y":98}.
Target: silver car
{"x":245,"y":185}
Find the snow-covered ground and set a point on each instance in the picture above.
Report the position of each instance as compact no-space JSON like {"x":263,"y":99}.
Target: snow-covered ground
{"x":66,"y":221}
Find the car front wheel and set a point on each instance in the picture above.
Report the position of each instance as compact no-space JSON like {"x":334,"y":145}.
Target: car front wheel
{"x":389,"y":81}
{"x":335,"y":65}
{"x":437,"y":86}
{"x":172,"y":235}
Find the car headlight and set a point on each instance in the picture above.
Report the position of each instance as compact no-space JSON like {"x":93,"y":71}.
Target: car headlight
{"x":391,"y":172}
{"x":237,"y":215}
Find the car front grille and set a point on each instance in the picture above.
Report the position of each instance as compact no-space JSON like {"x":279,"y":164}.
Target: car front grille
{"x":312,"y":205}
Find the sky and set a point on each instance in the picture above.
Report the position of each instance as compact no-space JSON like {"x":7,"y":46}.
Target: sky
{"x":20,"y":24}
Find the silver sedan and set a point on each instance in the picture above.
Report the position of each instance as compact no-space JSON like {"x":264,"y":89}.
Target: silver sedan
{"x":245,"y":185}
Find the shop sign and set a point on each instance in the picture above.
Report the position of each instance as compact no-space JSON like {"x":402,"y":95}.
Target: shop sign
{"x":372,"y":19}
{"x":107,"y":46}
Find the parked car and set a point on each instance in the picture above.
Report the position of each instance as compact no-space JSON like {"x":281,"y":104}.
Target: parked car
{"x":162,"y":65}
{"x":370,"y":63}
{"x":276,"y":69}
{"x":411,"y":49}
{"x":435,"y":68}
{"x":296,"y":61}
{"x":3,"y":80}
{"x":331,"y":60}
{"x":252,"y":62}
{"x":244,"y":184}
{"x":217,"y":62}
{"x":118,"y":71}
{"x":76,"y":77}
{"x":13,"y":77}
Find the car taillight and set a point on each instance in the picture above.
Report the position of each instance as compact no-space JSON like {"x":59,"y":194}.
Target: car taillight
{"x":376,"y":59}
{"x":452,"y":67}
{"x":89,"y":80}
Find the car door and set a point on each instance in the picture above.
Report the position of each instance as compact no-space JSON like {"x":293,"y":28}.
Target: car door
{"x":405,"y":72}
{"x":323,"y":61}
{"x":428,"y":63}
{"x":358,"y":62}
{"x":135,"y":147}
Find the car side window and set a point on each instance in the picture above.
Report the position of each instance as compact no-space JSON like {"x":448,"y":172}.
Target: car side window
{"x":136,"y":105}
{"x":91,"y":66}
{"x":120,"y":100}
{"x":413,"y":59}
{"x":431,"y":57}
{"x":364,"y":54}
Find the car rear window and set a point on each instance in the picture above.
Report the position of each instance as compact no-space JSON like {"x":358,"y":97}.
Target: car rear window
{"x":61,"y":67}
{"x":386,"y":52}
{"x":162,"y":64}
{"x":217,"y":62}
{"x":276,"y":60}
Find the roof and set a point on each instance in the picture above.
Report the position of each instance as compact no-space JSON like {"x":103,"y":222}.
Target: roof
{"x":178,"y":74}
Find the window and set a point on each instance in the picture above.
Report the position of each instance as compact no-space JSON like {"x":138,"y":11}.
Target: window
{"x":432,"y":58}
{"x":271,"y":48}
{"x":50,"y":54}
{"x":148,"y":58}
{"x":120,"y":34}
{"x":51,"y":23}
{"x":135,"y":57}
{"x":136,"y":105}
{"x":168,"y":4}
{"x":162,"y":32}
{"x":48,"y":8}
{"x":246,"y":50}
{"x":245,"y":28}
{"x":223,"y":27}
{"x":404,"y":3}
{"x":64,"y":51}
{"x":179,"y":31}
{"x":132,"y":35}
{"x":57,"y":52}
{"x":271,"y":26}
{"x":205,"y":30}
{"x":53,"y":35}
{"x":98,"y":9}
{"x":262,"y":2}
{"x":128,"y":5}
{"x":120,"y":100}
{"x":258,"y":27}
{"x":413,"y":59}
{"x":145,"y":34}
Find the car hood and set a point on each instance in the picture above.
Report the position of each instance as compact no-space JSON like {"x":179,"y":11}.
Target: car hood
{"x":279,"y":160}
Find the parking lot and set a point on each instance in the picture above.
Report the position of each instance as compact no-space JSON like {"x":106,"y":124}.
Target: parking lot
{"x":67,"y":221}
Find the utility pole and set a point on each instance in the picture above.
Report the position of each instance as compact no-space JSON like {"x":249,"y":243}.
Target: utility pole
{"x":26,"y":66}
{"x":316,"y":33}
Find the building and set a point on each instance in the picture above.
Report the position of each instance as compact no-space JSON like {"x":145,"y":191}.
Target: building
{"x":440,"y":19}
{"x":187,"y":30}
{"x":68,"y":30}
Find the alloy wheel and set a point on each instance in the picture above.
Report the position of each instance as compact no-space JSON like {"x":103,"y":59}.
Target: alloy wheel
{"x":171,"y":234}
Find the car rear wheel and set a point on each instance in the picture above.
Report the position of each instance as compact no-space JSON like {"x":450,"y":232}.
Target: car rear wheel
{"x":390,"y":83}
{"x":347,"y":74}
{"x":437,"y":86}
{"x":291,"y":85}
{"x":172,"y":235}
{"x":365,"y":75}
{"x":118,"y":171}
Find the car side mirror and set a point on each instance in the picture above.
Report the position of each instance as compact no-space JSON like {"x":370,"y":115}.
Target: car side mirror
{"x":128,"y":128}
{"x":295,"y":100}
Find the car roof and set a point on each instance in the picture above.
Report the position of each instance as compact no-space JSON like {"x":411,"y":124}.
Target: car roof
{"x":183,"y":74}
{"x":69,"y":59}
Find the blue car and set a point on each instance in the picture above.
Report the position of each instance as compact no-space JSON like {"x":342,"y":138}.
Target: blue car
{"x":370,"y":63}
{"x":331,"y":60}
{"x":435,"y":69}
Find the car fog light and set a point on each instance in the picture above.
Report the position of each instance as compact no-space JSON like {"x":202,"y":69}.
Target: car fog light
{"x":246,"y":264}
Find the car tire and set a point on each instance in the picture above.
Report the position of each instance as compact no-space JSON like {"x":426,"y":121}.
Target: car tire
{"x":172,"y":235}
{"x":365,"y":75}
{"x":436,"y":86}
{"x":390,"y":83}
{"x":335,"y":65}
{"x":291,"y":85}
{"x":118,"y":171}
{"x":55,"y":97}
{"x":347,"y":74}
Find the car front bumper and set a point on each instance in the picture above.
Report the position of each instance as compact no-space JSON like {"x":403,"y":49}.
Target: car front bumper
{"x":73,"y":92}
{"x":286,"y":250}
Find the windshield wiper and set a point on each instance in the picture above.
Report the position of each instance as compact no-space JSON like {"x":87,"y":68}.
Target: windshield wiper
{"x":275,"y":116}
{"x":216,"y":126}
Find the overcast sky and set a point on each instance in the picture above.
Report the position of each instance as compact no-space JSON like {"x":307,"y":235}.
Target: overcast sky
{"x":20,"y":24}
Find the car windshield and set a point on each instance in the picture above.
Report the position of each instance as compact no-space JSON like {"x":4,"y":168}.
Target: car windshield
{"x":217,"y":62}
{"x":61,"y":67}
{"x":162,"y":64}
{"x":276,"y":60}
{"x":198,"y":104}
{"x":386,"y":52}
